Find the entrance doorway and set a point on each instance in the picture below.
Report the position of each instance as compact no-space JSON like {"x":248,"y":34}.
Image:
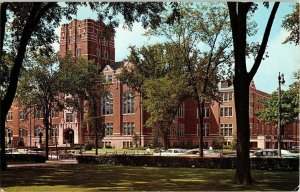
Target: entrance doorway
{"x":69,"y":136}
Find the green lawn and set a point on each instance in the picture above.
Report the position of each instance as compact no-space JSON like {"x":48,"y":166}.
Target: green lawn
{"x":112,"y":178}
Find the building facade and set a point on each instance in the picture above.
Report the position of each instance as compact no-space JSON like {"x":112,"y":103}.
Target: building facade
{"x":121,"y":108}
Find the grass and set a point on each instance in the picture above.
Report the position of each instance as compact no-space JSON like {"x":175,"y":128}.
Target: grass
{"x":113,"y":178}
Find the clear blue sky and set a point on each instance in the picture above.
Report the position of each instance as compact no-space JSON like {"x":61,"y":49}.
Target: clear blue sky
{"x":283,"y":58}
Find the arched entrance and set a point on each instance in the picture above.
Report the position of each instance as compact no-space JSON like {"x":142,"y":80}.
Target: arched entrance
{"x":69,"y":135}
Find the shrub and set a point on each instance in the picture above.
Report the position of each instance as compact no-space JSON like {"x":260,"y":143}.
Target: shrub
{"x":275,"y":164}
{"x":89,"y":146}
{"x":20,"y":143}
{"x":20,"y":158}
{"x":108,"y":146}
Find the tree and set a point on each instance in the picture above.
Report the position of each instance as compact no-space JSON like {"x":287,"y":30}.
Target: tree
{"x":45,"y":83}
{"x":164,"y":96}
{"x":30,"y":26}
{"x":39,"y":88}
{"x":289,"y":107}
{"x":242,"y":79}
{"x":202,"y":37}
{"x":291,"y":24}
{"x":86,"y":91}
{"x":160,"y":81}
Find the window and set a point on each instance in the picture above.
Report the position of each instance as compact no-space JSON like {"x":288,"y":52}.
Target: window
{"x":180,"y":112}
{"x":78,"y":38}
{"x":128,"y":128}
{"x":109,"y":78}
{"x":181,"y":130}
{"x":205,"y":130}
{"x":69,"y":40}
{"x":127,"y":144}
{"x":109,"y":129}
{"x":37,"y":130}
{"x":69,"y":117}
{"x":78,"y":52}
{"x":226,"y":111}
{"x":106,"y":55}
{"x":107,"y":104}
{"x":54,"y":113}
{"x":226,"y":96}
{"x":22,"y":115}
{"x":206,"y":112}
{"x":8,"y":131}
{"x":226,"y":129}
{"x":22,"y":132}
{"x":54,"y":131}
{"x":39,"y":114}
{"x":225,"y":84}
{"x":128,"y":103}
{"x":107,"y":143}
{"x":98,"y":54}
{"x":9,"y":116}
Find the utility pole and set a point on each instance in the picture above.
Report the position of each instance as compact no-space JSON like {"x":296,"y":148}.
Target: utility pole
{"x":280,"y":81}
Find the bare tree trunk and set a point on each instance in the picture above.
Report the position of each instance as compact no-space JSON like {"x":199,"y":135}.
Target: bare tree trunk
{"x":241,"y":91}
{"x":2,"y":139}
{"x":166,"y":142}
{"x":200,"y":106}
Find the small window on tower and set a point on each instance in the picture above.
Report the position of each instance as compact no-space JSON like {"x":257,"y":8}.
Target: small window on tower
{"x":78,"y":54}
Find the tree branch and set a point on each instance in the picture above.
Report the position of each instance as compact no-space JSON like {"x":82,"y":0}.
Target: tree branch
{"x":264,"y":42}
{"x":3,"y":21}
{"x":31,"y":23}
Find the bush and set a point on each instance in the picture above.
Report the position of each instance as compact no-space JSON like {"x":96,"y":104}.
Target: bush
{"x":20,"y":143}
{"x":275,"y":164}
{"x":88,"y":146}
{"x":20,"y":158}
{"x":108,"y":146}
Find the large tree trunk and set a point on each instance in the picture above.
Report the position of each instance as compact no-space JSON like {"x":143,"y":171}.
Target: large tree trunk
{"x":166,"y":142}
{"x":241,"y":91}
{"x":47,"y":125}
{"x":238,"y":18}
{"x":2,"y":139}
{"x":200,"y":106}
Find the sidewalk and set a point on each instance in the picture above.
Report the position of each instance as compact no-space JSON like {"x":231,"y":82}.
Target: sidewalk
{"x":47,"y":164}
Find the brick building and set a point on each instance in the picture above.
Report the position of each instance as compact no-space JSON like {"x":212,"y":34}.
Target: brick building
{"x":121,"y":110}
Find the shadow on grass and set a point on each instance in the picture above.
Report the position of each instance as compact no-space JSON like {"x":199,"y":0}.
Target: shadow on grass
{"x":100,"y":177}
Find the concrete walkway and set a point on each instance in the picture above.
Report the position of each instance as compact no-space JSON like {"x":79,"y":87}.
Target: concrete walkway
{"x":47,"y":164}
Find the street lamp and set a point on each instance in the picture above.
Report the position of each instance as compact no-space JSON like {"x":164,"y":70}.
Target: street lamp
{"x":9,"y":136}
{"x":280,"y":81}
{"x":40,"y":135}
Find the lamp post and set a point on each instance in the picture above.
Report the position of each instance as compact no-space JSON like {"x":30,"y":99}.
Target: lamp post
{"x":40,"y":135}
{"x":70,"y":137}
{"x":280,"y":81}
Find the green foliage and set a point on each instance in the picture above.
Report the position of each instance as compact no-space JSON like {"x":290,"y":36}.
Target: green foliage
{"x":89,"y":145}
{"x":289,"y":106}
{"x":20,"y":143}
{"x":218,"y":143}
{"x":291,"y":24}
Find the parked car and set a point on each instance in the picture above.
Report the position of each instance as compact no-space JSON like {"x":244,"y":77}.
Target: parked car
{"x":273,"y":153}
{"x":68,"y":155}
{"x":206,"y":153}
{"x":171,"y":152}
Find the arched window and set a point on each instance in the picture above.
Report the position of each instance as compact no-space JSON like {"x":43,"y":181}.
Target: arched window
{"x":128,"y":103}
{"x":37,"y":130}
{"x":54,"y":131}
{"x":23,"y":132}
{"x":107,"y":104}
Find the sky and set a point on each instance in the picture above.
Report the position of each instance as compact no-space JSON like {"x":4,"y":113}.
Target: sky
{"x":283,"y":58}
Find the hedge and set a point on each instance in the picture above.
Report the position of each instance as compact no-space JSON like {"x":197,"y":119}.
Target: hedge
{"x":20,"y":158}
{"x":276,"y":164}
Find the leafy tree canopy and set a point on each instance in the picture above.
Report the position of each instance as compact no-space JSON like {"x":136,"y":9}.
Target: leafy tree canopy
{"x":289,"y":106}
{"x":291,"y":24}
